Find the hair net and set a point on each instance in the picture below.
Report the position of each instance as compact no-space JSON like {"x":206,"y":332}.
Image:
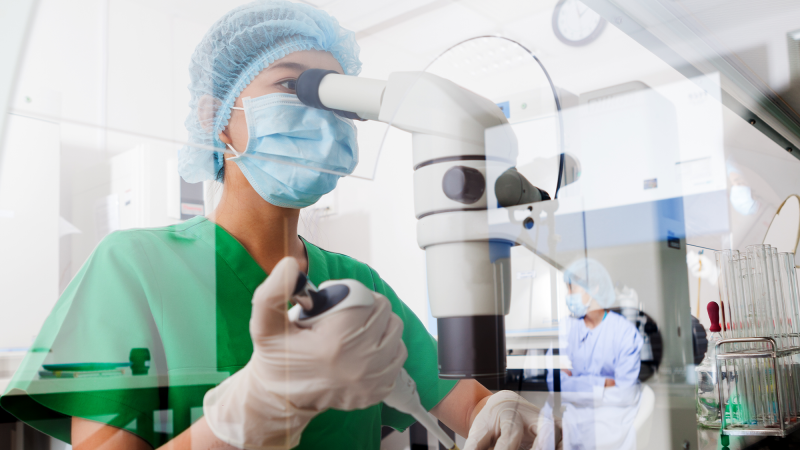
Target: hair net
{"x":593,"y":277}
{"x":237,"y":48}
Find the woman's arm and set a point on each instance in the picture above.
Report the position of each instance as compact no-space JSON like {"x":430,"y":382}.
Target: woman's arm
{"x":459,"y":408}
{"x":91,"y":435}
{"x":629,"y":359}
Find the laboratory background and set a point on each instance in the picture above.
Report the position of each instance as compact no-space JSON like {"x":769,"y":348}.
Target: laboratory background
{"x":647,"y":151}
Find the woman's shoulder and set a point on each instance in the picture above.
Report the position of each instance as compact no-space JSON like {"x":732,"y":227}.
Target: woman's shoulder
{"x":619,"y":321}
{"x":121,"y":240}
{"x":622,"y":327}
{"x":149,"y":250}
{"x":338,"y":265}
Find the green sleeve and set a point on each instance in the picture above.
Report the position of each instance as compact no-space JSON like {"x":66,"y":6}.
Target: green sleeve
{"x":103,"y":314}
{"x":422,"y":363}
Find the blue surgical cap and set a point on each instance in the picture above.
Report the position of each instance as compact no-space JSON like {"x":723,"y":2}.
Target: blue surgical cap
{"x":237,"y":48}
{"x":592,"y":277}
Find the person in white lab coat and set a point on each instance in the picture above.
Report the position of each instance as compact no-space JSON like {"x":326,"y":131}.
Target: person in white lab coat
{"x":601,"y":391}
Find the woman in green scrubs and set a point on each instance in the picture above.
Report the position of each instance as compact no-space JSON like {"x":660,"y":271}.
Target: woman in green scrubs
{"x":176,"y":301}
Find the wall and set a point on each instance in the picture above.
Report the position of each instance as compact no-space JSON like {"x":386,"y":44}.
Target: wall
{"x":131,"y":90}
{"x":29,"y":224}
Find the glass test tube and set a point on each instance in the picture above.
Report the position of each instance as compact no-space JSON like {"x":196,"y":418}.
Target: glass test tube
{"x":795,"y":291}
{"x":739,"y":328}
{"x":778,"y":332}
{"x":760,"y":298}
{"x":789,"y":400}
{"x":761,"y":304}
{"x":754,"y":326}
{"x":778,"y":298}
{"x":724,"y":377}
{"x":744,"y":325}
{"x":733,"y":383}
{"x":774,"y":302}
{"x":792,"y":302}
{"x":744,"y":398}
{"x":789,"y":273}
{"x":750,"y":329}
{"x":777,"y":329}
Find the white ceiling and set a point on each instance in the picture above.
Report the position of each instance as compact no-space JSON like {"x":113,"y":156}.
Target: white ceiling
{"x":353,"y":14}
{"x":426,"y":27}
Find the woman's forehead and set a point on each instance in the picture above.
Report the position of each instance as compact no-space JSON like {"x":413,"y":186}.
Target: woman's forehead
{"x":304,"y":60}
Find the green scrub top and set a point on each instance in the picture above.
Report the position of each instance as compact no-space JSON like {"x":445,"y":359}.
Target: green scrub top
{"x":184,"y":293}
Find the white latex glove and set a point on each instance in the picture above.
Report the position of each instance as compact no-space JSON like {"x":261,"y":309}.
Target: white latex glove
{"x":506,"y":422}
{"x":346,"y":361}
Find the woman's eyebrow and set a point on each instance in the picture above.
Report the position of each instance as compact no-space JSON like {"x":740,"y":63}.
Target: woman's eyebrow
{"x":289,"y":65}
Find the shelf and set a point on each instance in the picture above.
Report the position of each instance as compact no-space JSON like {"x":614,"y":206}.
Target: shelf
{"x":745,"y":354}
{"x":762,"y":431}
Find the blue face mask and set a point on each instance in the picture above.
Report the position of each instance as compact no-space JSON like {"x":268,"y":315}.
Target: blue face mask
{"x":284,"y":130}
{"x":576,"y":306}
{"x":742,"y":200}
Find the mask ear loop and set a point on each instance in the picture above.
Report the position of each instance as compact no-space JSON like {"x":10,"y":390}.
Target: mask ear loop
{"x":230,"y":146}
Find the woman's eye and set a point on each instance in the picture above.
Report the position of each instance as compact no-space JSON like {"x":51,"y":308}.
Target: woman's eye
{"x":288,"y":84}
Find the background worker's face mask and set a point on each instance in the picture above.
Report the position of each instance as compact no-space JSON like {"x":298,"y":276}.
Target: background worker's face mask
{"x":282,"y":129}
{"x":742,"y":200}
{"x":576,"y":306}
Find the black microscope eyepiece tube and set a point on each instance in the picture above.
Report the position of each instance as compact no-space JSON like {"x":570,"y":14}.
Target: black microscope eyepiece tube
{"x":307,"y":89}
{"x":472,"y":347}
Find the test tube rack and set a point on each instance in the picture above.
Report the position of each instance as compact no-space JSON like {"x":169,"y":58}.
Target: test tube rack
{"x":785,"y":424}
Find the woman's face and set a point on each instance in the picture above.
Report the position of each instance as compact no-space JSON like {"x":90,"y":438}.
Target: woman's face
{"x":586,"y":298}
{"x":279,"y":77}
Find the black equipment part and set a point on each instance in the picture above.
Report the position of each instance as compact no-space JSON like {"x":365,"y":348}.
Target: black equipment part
{"x":307,"y":89}
{"x":699,"y":340}
{"x":511,"y":189}
{"x":480,"y":343}
{"x":325,"y":299}
{"x":463,"y":184}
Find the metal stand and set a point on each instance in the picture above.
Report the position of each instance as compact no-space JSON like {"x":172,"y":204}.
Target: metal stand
{"x":771,"y":353}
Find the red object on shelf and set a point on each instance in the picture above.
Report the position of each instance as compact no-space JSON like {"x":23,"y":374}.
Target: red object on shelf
{"x":713,"y":315}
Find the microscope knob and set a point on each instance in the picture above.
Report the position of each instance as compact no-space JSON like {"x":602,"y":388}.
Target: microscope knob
{"x":512,"y":188}
{"x":463,"y":184}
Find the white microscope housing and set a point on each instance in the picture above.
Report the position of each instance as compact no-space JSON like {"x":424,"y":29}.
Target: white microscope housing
{"x":454,"y":188}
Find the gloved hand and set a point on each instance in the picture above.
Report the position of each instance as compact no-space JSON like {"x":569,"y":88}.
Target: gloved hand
{"x":346,"y":361}
{"x":506,"y":422}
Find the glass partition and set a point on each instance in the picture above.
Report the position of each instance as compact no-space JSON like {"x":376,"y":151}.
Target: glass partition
{"x":548,"y":194}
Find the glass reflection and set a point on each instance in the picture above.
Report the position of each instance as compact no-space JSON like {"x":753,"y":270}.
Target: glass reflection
{"x":600,"y":392}
{"x":653,"y":162}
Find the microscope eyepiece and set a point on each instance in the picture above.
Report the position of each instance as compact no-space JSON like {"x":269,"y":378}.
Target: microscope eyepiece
{"x":307,"y":89}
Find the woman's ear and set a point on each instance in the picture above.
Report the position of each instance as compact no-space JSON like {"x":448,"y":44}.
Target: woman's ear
{"x":224,"y":138}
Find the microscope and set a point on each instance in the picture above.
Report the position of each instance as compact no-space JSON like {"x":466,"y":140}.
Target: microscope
{"x":472,"y":206}
{"x":459,"y":181}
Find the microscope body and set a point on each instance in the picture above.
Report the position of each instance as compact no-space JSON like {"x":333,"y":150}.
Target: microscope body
{"x":468,"y":279}
{"x":468,"y":271}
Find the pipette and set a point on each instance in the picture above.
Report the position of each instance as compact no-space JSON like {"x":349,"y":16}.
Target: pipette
{"x":312,"y":305}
